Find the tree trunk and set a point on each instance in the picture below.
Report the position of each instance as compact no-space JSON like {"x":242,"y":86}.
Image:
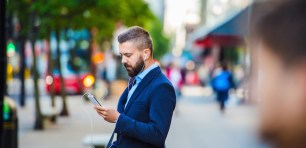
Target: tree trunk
{"x":52,"y":94}
{"x":39,"y":118}
{"x":38,"y":125}
{"x":22,"y":69}
{"x":64,"y":111}
{"x":50,"y":70}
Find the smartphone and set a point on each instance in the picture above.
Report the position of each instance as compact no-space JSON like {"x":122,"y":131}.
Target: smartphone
{"x":93,"y":99}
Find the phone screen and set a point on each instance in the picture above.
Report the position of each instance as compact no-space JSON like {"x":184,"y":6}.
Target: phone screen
{"x":93,"y":99}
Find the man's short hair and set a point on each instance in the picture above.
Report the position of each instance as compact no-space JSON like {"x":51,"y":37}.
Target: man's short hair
{"x":137,"y":35}
{"x":283,"y":29}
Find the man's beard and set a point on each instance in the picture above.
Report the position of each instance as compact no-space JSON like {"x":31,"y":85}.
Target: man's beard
{"x":133,"y":71}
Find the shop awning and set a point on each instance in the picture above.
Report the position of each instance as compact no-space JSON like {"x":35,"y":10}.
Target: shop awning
{"x":229,"y":32}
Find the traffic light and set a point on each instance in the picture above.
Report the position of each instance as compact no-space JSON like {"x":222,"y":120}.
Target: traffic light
{"x":10,"y":50}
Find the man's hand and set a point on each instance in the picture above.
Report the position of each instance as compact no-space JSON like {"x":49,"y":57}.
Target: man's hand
{"x":109,"y":114}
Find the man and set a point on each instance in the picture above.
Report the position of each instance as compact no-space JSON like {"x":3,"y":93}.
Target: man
{"x":279,"y":74}
{"x":145,"y":108}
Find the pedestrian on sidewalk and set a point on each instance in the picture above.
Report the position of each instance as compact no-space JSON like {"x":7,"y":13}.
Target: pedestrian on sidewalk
{"x":145,"y":108}
{"x":174,"y":74}
{"x":279,"y":71}
{"x":222,"y":82}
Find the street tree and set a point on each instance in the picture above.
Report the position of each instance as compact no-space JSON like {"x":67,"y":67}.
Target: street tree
{"x":28,"y":21}
{"x":102,"y":15}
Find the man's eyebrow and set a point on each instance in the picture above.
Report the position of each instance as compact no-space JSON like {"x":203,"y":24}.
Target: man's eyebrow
{"x":126,"y":53}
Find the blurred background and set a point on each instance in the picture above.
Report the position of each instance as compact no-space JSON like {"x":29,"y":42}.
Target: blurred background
{"x":58,"y":50}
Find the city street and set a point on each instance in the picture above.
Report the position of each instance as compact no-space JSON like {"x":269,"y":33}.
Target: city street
{"x":236,"y":67}
{"x":197,"y":123}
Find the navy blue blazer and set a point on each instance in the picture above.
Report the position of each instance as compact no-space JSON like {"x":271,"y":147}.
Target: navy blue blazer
{"x":145,"y":121}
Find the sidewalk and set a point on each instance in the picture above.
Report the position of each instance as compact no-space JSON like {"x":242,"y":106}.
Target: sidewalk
{"x":68,"y":131}
{"x":199,"y":124}
{"x":196,"y":123}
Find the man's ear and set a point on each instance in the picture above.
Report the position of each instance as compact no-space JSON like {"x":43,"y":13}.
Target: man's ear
{"x":147,"y":53}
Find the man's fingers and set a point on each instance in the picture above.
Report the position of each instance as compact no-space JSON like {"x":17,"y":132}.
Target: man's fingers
{"x":108,"y":114}
{"x":100,"y":108}
{"x":104,"y":113}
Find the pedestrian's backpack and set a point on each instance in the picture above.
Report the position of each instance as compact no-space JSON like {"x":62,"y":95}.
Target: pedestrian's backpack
{"x":222,"y":81}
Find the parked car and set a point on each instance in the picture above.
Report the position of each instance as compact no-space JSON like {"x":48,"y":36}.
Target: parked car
{"x":74,"y":83}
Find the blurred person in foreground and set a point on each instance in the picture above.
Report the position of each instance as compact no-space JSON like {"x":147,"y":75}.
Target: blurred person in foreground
{"x":145,"y":108}
{"x":279,"y":71}
{"x":222,"y":82}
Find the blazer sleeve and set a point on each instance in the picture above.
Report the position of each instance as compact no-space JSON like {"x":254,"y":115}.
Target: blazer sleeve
{"x":161,"y":109}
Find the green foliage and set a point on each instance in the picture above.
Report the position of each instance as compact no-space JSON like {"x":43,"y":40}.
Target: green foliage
{"x":160,"y":41}
{"x":17,"y":8}
{"x":99,"y":14}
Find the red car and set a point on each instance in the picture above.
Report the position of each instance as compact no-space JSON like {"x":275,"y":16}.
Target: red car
{"x":74,"y":84}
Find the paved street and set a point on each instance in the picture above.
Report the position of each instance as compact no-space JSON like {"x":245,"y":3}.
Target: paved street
{"x":197,"y":123}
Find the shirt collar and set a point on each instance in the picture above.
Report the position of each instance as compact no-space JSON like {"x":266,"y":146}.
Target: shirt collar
{"x":140,"y":76}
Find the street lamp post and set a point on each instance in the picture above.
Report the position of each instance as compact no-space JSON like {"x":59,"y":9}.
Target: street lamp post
{"x":3,"y":61}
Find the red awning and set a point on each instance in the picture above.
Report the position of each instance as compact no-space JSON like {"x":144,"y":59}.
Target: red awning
{"x":222,"y":40}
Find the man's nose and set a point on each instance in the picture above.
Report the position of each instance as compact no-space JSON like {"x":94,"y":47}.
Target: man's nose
{"x":123,"y":60}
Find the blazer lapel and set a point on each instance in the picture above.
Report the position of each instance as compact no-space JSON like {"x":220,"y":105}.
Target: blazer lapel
{"x":122,"y":101}
{"x":146,"y":80}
